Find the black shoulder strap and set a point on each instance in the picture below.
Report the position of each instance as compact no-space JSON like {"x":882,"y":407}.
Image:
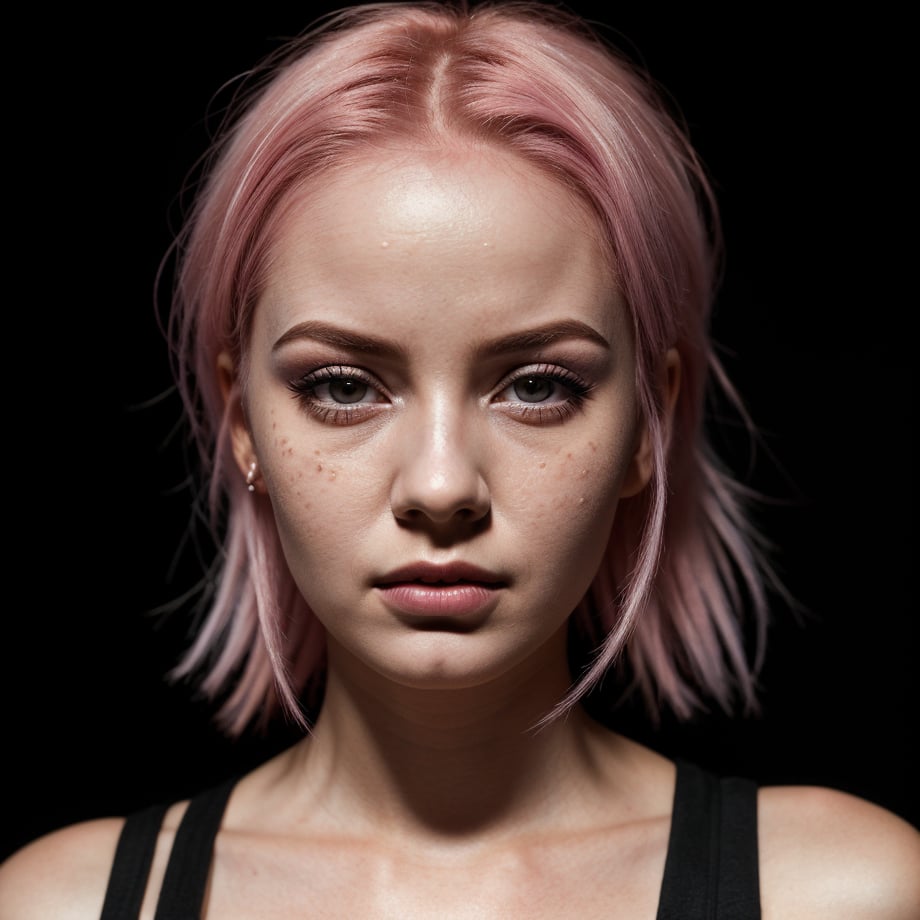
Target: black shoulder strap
{"x":739,"y":880}
{"x":187,"y":871}
{"x":131,"y":865}
{"x":711,"y":869}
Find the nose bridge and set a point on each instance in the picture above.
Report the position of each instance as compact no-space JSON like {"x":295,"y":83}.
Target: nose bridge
{"x":439,"y":473}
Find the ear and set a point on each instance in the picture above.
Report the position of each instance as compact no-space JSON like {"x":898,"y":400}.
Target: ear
{"x":244,"y":451}
{"x":640,"y":471}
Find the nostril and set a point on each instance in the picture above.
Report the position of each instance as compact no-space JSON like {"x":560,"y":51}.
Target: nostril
{"x":465,"y":515}
{"x":440,"y":505}
{"x":439,"y":483}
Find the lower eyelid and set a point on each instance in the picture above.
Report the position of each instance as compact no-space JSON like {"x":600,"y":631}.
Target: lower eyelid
{"x":338,"y":415}
{"x":542,"y":413}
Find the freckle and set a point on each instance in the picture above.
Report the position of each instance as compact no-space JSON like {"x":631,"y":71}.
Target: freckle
{"x":316,"y":452}
{"x":543,"y":466}
{"x":568,"y":456}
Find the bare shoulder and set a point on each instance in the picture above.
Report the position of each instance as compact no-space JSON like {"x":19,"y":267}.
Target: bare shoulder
{"x":824,"y":852}
{"x":62,"y":874}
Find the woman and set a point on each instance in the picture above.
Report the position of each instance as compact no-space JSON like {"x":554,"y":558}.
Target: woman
{"x":440,"y":323}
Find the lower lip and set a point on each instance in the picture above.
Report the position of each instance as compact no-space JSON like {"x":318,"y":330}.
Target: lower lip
{"x":461,"y":599}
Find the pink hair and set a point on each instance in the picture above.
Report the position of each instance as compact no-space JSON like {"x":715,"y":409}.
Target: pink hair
{"x":534,"y":80}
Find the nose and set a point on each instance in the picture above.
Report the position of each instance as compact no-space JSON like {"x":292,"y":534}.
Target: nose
{"x":439,"y":477}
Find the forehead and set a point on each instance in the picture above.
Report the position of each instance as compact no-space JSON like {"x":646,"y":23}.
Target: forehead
{"x":472,"y":228}
{"x":406,"y":194}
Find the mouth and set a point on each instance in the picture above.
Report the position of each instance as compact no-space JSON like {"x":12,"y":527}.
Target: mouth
{"x":450,"y":574}
{"x":451,"y":590}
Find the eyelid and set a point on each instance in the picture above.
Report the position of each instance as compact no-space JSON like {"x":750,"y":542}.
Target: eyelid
{"x":555,"y":372}
{"x":575,"y":390}
{"x":303,"y":387}
{"x":545,"y":412}
{"x":330,"y":372}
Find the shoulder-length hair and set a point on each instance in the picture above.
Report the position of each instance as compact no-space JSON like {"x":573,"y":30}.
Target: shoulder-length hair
{"x":685,"y":576}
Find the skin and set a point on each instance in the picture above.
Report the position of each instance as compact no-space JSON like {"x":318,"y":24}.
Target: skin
{"x":431,"y":464}
{"x":423,"y":772}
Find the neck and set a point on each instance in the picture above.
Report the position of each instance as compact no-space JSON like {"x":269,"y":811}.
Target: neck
{"x":446,"y":763}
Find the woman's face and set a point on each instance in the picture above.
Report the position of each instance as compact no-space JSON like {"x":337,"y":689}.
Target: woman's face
{"x":441,"y":399}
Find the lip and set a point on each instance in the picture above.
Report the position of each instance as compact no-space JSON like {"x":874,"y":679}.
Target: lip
{"x":453,"y":589}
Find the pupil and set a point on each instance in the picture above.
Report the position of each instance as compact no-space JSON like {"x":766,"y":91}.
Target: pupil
{"x":347,"y":390}
{"x":532,"y":389}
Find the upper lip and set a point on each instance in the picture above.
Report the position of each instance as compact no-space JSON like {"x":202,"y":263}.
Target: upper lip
{"x":448,"y":573}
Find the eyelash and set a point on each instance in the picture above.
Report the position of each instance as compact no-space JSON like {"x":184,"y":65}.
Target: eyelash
{"x":305,"y":389}
{"x":547,"y":413}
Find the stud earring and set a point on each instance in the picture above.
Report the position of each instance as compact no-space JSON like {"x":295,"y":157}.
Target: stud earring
{"x":251,"y":476}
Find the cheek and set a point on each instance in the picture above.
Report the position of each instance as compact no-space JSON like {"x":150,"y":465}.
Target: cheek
{"x":286,"y":468}
{"x":563,"y":514}
{"x":580,"y":484}
{"x":313,"y":495}
{"x":573,"y":499}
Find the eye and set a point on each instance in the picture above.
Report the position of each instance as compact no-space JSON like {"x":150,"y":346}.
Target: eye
{"x":542,"y":393}
{"x":339,"y":395}
{"x":534,"y":388}
{"x":347,"y":390}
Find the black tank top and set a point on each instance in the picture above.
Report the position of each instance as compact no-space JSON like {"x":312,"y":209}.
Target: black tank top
{"x":710,"y":873}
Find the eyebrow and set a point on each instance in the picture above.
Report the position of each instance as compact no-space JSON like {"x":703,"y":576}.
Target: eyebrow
{"x":546,"y":335}
{"x":341,"y":338}
{"x":540,"y":336}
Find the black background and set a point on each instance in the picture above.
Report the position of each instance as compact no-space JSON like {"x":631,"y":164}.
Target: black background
{"x":794,"y":120}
